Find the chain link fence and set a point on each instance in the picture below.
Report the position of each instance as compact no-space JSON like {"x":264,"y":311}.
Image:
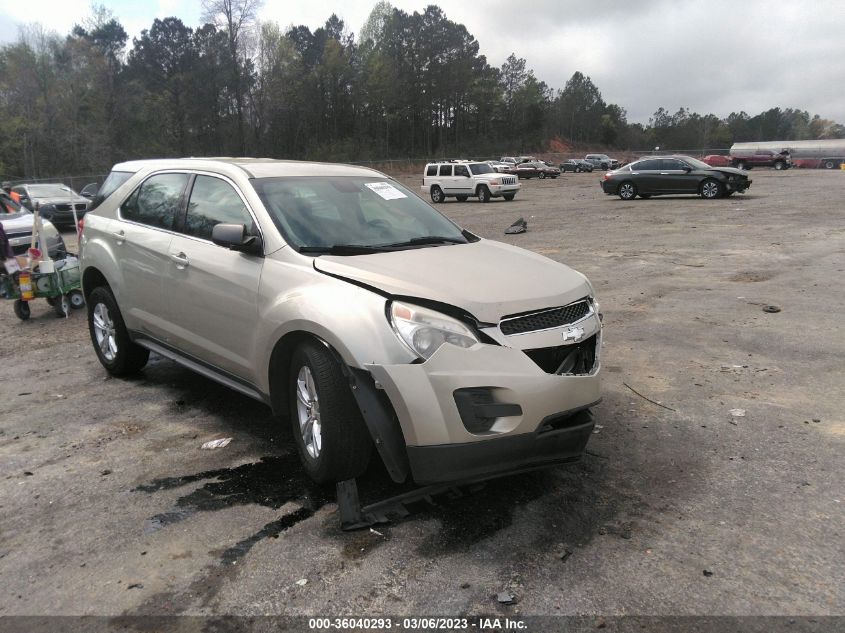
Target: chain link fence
{"x":74,"y":182}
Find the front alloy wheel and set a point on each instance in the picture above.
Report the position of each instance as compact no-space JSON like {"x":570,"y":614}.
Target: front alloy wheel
{"x":115,"y":350}
{"x":308,"y":412}
{"x":711,"y":189}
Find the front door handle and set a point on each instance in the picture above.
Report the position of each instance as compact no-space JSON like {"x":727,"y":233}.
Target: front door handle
{"x":180,"y":259}
{"x":119,"y":237}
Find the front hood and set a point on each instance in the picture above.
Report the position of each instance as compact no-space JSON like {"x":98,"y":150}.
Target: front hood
{"x":730,"y":170}
{"x":487,"y":279}
{"x":19,"y":224}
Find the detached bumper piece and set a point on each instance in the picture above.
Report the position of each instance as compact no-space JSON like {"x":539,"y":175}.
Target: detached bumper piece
{"x":559,"y":439}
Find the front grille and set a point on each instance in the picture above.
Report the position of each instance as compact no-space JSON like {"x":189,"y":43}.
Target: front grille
{"x":62,"y":207}
{"x":576,"y":360}
{"x":81,"y":206}
{"x":547,"y":319}
{"x":509,"y":180}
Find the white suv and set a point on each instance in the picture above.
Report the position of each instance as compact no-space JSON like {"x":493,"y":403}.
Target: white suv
{"x":464,"y":179}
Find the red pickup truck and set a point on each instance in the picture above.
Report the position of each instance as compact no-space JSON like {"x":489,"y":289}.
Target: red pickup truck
{"x":761,"y":158}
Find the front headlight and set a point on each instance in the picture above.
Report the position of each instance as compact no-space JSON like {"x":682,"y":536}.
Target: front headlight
{"x":424,"y":330}
{"x":47,"y":210}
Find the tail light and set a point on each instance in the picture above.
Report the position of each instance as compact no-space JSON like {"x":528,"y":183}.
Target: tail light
{"x":607,"y":176}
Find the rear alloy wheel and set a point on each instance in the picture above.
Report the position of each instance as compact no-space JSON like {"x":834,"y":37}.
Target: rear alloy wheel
{"x":711,"y":189}
{"x":740,"y":164}
{"x":829,"y":164}
{"x":780,"y":165}
{"x":541,"y":175}
{"x":116,"y":351}
{"x":627,"y":190}
{"x":484,"y":193}
{"x":330,"y":433}
{"x":437,"y":195}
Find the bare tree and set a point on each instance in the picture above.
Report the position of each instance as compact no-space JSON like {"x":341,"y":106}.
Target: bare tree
{"x":236,"y":18}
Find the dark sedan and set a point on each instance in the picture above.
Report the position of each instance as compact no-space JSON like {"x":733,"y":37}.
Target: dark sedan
{"x":576,"y":165}
{"x":661,"y":175}
{"x":57,"y":202}
{"x":536,"y":169}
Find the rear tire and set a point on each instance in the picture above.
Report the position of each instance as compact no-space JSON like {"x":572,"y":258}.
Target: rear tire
{"x":437,"y":195}
{"x":484,"y":193}
{"x":115,"y":350}
{"x":780,"y":165}
{"x":829,"y":164}
{"x":627,"y":190}
{"x":329,"y":431}
{"x":21,"y":309}
{"x":541,"y":175}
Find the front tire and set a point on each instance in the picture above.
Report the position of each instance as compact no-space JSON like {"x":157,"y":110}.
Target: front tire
{"x":780,"y":165}
{"x":484,"y":193}
{"x":541,"y":176}
{"x":115,"y":350}
{"x":329,"y":431}
{"x":508,"y":196}
{"x":712,"y":189}
{"x":627,"y":190}
{"x":437,"y":195}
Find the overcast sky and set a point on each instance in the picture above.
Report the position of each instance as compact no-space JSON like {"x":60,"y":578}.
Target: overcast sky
{"x":718,"y":56}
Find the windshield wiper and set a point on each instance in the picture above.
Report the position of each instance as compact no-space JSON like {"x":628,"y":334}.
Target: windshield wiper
{"x":429,"y":239}
{"x":342,"y":249}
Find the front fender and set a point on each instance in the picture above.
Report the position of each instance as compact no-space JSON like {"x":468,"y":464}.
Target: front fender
{"x":96,"y":253}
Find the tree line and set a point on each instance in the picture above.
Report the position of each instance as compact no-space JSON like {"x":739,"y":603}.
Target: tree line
{"x":410,"y":84}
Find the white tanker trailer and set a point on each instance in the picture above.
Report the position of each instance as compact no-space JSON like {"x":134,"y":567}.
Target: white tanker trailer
{"x":829,"y":153}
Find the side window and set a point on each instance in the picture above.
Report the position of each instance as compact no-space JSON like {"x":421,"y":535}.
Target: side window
{"x":445,"y":170}
{"x":645,"y":165}
{"x":461,"y":170}
{"x":431,"y":170}
{"x":214,"y":201}
{"x":667,"y":164}
{"x":156,"y":201}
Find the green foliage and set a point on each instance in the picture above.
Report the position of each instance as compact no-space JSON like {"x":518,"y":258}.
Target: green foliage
{"x":412,"y":84}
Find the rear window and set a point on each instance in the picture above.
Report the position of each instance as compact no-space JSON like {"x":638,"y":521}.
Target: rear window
{"x":431,"y":170}
{"x":112,"y":183}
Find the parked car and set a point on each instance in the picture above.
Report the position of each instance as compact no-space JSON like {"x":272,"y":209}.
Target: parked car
{"x":508,"y":159}
{"x":717,"y":160}
{"x":338,"y":297}
{"x":467,"y":179}
{"x":660,"y":175}
{"x":537,"y":169}
{"x":57,"y":202}
{"x":17,"y":225}
{"x":601,"y":161}
{"x":576,"y":165}
{"x":502,"y":168}
{"x":760,"y":158}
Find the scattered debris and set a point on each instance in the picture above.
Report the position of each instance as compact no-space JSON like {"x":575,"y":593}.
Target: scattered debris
{"x":736,"y":413}
{"x":217,"y":443}
{"x":505,"y":598}
{"x":27,"y":473}
{"x":771,"y":309}
{"x":302,"y":582}
{"x":603,"y":530}
{"x":25,"y":393}
{"x":659,"y":404}
{"x":708,"y":573}
{"x":464,"y":585}
{"x":564,"y":554}
{"x":135,"y":585}
{"x":520,"y":226}
{"x":817,"y":420}
{"x":376,"y":532}
{"x":601,"y":624}
{"x":105,"y":472}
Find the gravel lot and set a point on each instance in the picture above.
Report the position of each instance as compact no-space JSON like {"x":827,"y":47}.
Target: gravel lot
{"x":109,"y":506}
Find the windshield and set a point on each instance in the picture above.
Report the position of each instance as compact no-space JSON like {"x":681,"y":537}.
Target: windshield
{"x":696,"y":163}
{"x":9,"y":209}
{"x":49,"y":191}
{"x":315,"y":213}
{"x":481,"y":168}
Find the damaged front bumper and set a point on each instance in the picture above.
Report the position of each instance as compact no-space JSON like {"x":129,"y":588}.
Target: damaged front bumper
{"x":478,"y":412}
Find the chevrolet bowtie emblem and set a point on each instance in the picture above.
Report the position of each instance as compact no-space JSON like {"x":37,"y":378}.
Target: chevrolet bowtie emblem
{"x":573,"y":333}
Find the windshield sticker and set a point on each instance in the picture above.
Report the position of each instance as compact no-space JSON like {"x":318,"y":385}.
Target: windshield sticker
{"x":385,"y":190}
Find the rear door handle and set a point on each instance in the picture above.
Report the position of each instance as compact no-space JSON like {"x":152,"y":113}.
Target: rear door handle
{"x":119,"y":236}
{"x":180,"y":259}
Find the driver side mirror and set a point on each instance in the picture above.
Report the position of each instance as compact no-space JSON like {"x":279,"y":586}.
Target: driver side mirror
{"x":687,"y":168}
{"x":235,"y":238}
